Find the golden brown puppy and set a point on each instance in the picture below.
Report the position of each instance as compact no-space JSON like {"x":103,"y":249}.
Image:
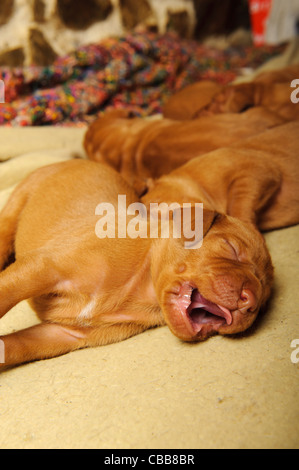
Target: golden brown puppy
{"x":186,"y":103}
{"x":284,"y":75}
{"x":89,"y":290}
{"x":141,"y":150}
{"x":271,"y":90}
{"x":275,"y":97}
{"x":255,"y":180}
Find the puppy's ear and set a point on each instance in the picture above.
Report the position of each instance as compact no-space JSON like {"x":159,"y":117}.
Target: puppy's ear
{"x":209,"y":218}
{"x":250,"y":193}
{"x":193,"y":223}
{"x":240,"y":97}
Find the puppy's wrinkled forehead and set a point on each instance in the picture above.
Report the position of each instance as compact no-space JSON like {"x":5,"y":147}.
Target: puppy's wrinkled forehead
{"x":245,"y":244}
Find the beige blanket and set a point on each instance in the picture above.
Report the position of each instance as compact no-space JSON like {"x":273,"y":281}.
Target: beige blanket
{"x":153,"y":391}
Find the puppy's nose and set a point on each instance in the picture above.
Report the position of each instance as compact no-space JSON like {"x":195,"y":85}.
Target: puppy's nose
{"x":247,"y":301}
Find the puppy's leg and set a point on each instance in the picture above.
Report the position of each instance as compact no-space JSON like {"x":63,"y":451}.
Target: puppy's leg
{"x":41,"y":341}
{"x":30,"y":276}
{"x":48,"y":340}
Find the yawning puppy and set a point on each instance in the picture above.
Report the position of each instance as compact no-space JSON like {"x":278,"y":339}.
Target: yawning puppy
{"x":90,"y":291}
{"x":218,"y":288}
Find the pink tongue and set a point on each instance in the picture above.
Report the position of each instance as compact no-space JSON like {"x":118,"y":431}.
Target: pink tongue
{"x":198,"y":301}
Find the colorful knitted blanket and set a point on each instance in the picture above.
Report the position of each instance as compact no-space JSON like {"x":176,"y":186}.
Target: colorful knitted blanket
{"x":137,"y":72}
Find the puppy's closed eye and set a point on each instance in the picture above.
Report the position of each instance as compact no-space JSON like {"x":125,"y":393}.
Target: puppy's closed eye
{"x":233,"y":249}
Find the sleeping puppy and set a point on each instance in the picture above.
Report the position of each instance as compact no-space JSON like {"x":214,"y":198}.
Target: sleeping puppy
{"x":88,"y":289}
{"x":143,"y":150}
{"x":269,"y":90}
{"x":275,"y":97}
{"x":186,"y":103}
{"x":255,"y":180}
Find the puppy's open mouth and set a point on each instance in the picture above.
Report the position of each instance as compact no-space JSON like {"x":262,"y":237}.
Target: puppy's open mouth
{"x":201,"y":316}
{"x":202,"y":311}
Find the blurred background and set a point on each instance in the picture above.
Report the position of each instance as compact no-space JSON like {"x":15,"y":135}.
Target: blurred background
{"x":37,"y":31}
